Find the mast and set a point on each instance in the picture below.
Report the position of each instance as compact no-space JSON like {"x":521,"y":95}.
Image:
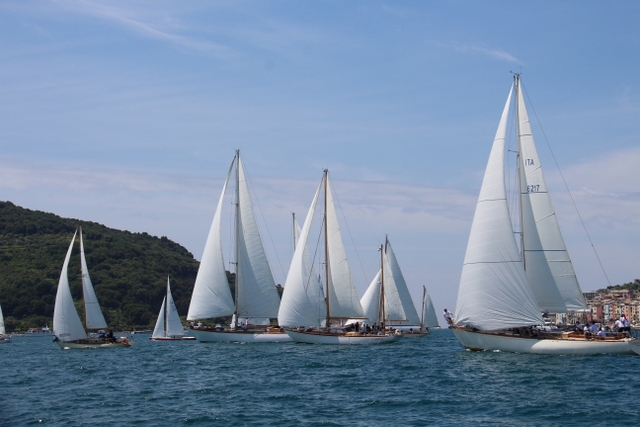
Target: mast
{"x":293,"y":225}
{"x":166,"y":311}
{"x":382,"y":286}
{"x":84,"y":297}
{"x":237,"y":221}
{"x":326,"y":246}
{"x":424,"y":301}
{"x":516,"y":79}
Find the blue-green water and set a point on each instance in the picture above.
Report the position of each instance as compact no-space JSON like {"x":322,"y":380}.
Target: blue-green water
{"x":415,"y":382}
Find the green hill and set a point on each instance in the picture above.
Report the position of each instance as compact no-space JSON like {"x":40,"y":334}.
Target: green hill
{"x":128,"y":270}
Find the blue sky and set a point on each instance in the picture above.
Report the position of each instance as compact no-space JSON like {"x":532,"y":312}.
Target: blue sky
{"x":128,"y":114}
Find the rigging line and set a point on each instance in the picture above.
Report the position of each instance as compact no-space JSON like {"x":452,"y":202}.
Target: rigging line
{"x":350,"y":235}
{"x":575,"y":206}
{"x":264,"y":221}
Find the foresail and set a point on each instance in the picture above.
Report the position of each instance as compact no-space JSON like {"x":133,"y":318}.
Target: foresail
{"x":302,"y":301}
{"x":174,"y":324}
{"x":211,"y":294}
{"x":94,"y":319}
{"x":159,"y":330}
{"x":407,"y":311}
{"x":67,"y":325}
{"x":344,"y":302}
{"x":547,"y":261}
{"x":2,"y":329}
{"x":371,"y":300}
{"x":494,"y":292}
{"x":257,"y":295}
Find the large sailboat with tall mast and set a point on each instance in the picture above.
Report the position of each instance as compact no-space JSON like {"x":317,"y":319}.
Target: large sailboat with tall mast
{"x":256,"y":298}
{"x":315,"y":312}
{"x":69,"y":330}
{"x":505,"y":286}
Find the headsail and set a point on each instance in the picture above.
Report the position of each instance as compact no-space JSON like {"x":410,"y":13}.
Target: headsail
{"x":159,"y":331}
{"x":397,"y":292}
{"x":211,"y":294}
{"x":546,"y":259}
{"x":67,"y":325}
{"x":429,"y":317}
{"x":494,"y":292}
{"x":174,"y":324}
{"x":2,"y":329}
{"x":94,"y":319}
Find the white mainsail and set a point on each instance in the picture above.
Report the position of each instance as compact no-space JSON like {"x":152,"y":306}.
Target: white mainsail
{"x":211,"y":294}
{"x":256,"y":292}
{"x":303,"y":299}
{"x":546,"y":259}
{"x":67,"y":325}
{"x":344,"y":302}
{"x":494,"y":292}
{"x":174,"y":326}
{"x":370,"y":301}
{"x":429,"y":317}
{"x":398,"y":292}
{"x":2,"y":329}
{"x":94,"y":319}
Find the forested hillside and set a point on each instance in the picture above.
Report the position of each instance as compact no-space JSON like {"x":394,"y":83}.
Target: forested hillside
{"x":129,"y":270}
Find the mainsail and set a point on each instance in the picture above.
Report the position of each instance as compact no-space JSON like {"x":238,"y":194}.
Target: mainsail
{"x":429,"y":317}
{"x":2,"y":329}
{"x":494,"y":292}
{"x":94,"y":319}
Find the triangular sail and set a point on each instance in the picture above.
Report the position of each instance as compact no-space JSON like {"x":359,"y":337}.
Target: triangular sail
{"x":94,"y":319}
{"x":344,"y":302}
{"x":429,"y":317}
{"x":211,"y":294}
{"x":547,"y":261}
{"x":494,"y":292}
{"x":371,"y":299}
{"x":2,"y":329}
{"x":67,"y":325}
{"x":257,"y":295}
{"x":303,"y":300}
{"x":174,"y":326}
{"x":159,"y":330}
{"x":398,"y":292}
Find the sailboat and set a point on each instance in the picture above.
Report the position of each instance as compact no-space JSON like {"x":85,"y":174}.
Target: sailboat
{"x":505,"y":287}
{"x":399,"y":311}
{"x":311,"y":314}
{"x":256,"y":297}
{"x":169,"y":326}
{"x":67,"y":326}
{"x":4,"y":338}
{"x":428,"y":318}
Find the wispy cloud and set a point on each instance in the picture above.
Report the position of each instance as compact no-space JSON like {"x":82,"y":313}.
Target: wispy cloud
{"x":494,"y":53}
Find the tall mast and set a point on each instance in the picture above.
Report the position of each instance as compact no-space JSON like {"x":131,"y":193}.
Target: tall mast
{"x":326,"y":246}
{"x":166,"y":310}
{"x":293,"y":225}
{"x":516,"y":78}
{"x":424,"y":301}
{"x":382,"y":249}
{"x":237,"y":221}
{"x":84,"y":300}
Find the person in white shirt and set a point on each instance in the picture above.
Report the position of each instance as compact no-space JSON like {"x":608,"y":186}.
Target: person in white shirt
{"x":448,"y":317}
{"x":594,"y":328}
{"x":602,"y":333}
{"x":619,"y":325}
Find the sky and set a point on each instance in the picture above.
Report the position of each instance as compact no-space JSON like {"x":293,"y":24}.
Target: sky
{"x":128,"y":113}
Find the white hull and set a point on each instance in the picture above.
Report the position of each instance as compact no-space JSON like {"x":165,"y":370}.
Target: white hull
{"x":5,"y":340}
{"x":483,"y":341}
{"x":239,"y":336}
{"x":172,"y":338}
{"x":338,"y":339}
{"x":74,"y":344}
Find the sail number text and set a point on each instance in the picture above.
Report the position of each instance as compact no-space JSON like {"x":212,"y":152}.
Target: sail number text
{"x":533,"y":188}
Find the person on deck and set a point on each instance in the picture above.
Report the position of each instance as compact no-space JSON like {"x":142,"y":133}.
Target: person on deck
{"x":448,"y":317}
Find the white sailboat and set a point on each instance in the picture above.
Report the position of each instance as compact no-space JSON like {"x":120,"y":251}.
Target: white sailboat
{"x":4,"y":338}
{"x":503,"y":288}
{"x":169,"y":326}
{"x":67,"y":326}
{"x":311,"y":314}
{"x":429,"y":319}
{"x":400,"y":312}
{"x":256,"y":295}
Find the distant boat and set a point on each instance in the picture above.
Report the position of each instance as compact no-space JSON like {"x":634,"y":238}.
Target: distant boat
{"x":4,"y":338}
{"x":307,"y":315}
{"x":39,"y":332}
{"x":67,"y":326}
{"x":169,"y":326}
{"x":429,"y":319}
{"x":256,"y":295}
{"x":504,"y":288}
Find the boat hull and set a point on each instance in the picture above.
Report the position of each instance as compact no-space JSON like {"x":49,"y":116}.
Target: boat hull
{"x":172,"y":338}
{"x":5,"y":340}
{"x":482,"y":341}
{"x":406,"y":334}
{"x":239,"y":336}
{"x":93,"y":344}
{"x":341,"y":339}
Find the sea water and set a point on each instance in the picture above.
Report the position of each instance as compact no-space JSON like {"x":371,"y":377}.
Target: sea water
{"x":414,"y":382}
